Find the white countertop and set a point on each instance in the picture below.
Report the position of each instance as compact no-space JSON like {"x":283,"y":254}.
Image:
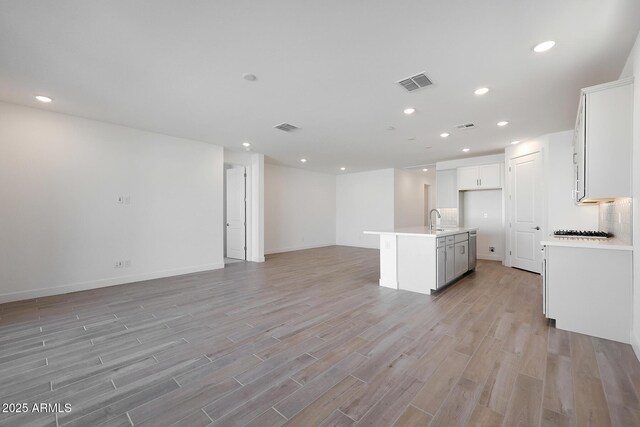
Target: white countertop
{"x":612,"y":243}
{"x":423,"y":231}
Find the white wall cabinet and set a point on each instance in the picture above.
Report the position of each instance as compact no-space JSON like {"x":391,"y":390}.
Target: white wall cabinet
{"x":483,"y":177}
{"x":447,"y":189}
{"x":603,"y":142}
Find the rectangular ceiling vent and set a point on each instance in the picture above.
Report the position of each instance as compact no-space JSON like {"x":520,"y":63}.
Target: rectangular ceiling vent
{"x":286,"y":127}
{"x":465,"y":126}
{"x":415,"y":82}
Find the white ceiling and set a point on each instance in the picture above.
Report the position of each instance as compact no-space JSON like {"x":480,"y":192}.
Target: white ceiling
{"x":329,"y":67}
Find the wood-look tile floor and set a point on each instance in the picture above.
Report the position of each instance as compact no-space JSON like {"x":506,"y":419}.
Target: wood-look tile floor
{"x":308,"y":338}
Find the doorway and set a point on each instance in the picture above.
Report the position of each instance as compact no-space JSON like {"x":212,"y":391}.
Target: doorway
{"x":236,"y":213}
{"x":526,"y":206}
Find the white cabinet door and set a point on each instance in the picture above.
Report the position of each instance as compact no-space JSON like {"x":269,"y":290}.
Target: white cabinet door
{"x":578,"y":155}
{"x":480,"y":177}
{"x":490,"y":176}
{"x":461,"y":258}
{"x":450,"y":264}
{"x":468,"y":178}
{"x":441,"y":256}
{"x":608,"y":142}
{"x":447,"y":194}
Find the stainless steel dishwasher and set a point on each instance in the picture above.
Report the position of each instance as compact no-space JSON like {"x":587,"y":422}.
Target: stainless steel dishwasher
{"x":472,"y":250}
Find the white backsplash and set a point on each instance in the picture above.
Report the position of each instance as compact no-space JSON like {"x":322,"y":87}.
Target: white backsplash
{"x":616,"y":218}
{"x":449,"y":217}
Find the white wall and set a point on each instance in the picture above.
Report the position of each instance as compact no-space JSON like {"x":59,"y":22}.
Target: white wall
{"x":300,"y":209}
{"x":364,"y":201}
{"x":483,"y":209}
{"x":409,"y":203}
{"x":634,"y":60}
{"x":61,"y":228}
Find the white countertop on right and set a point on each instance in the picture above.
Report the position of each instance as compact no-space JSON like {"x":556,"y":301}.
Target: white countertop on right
{"x":574,"y":242}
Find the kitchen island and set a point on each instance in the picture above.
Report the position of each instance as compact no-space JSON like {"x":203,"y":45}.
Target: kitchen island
{"x":420,"y":259}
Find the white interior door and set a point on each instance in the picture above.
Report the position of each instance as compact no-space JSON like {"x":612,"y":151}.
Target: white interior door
{"x":526,"y":212}
{"x":236,"y":212}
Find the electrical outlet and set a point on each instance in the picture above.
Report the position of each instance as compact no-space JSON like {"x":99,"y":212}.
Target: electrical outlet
{"x":492,"y":249}
{"x":120,"y":200}
{"x":118,"y":264}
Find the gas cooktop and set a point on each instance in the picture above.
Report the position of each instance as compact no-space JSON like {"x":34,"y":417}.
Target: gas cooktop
{"x":583,"y":234}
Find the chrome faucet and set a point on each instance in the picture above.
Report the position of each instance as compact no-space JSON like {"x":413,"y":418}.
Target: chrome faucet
{"x":431,"y":217}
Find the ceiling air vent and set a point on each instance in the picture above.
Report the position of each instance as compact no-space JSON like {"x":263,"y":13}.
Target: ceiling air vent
{"x":415,"y":82}
{"x":465,"y":126}
{"x":286,"y":127}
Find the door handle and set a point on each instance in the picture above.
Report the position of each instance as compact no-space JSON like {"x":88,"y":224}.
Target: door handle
{"x":535,"y":228}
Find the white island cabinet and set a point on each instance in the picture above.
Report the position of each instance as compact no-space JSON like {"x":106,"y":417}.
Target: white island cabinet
{"x":422,"y":260}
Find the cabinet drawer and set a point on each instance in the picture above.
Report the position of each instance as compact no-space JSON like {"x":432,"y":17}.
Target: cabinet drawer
{"x":461,"y":237}
{"x":441,"y":241}
{"x":451,"y":239}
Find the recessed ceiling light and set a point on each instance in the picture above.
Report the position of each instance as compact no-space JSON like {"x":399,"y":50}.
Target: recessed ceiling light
{"x":503,"y":123}
{"x":465,"y":149}
{"x":303,"y":160}
{"x":43,"y":98}
{"x":481,"y":91}
{"x":425,"y":170}
{"x":444,"y":135}
{"x":544,"y":46}
{"x":515,"y":142}
{"x":409,"y":110}
{"x":246,"y":144}
{"x":343,"y":168}
{"x":249,"y":77}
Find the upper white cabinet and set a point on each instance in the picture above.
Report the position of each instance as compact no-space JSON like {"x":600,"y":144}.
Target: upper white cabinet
{"x":483,"y":177}
{"x":447,"y":189}
{"x":603,"y":141}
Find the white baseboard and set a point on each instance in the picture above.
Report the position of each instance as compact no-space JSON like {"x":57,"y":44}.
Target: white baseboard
{"x":356,"y":245}
{"x":635,"y":344}
{"x":297,"y":248}
{"x":102,"y":283}
{"x":490,"y":257}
